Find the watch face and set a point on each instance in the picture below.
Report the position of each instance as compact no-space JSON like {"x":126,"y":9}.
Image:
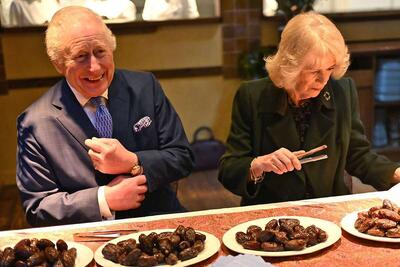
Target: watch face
{"x":136,"y":170}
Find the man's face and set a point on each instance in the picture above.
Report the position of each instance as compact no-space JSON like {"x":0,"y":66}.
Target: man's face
{"x":89,"y":63}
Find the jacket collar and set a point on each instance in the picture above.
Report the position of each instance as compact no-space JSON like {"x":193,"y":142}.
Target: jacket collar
{"x":275,"y":100}
{"x":71,"y":114}
{"x":120,"y":103}
{"x":274,"y":112}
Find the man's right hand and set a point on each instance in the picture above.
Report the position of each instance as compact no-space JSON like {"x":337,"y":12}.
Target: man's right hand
{"x":124,"y":192}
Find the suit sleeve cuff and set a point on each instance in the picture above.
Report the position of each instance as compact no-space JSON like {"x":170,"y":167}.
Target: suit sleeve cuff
{"x":105,"y":211}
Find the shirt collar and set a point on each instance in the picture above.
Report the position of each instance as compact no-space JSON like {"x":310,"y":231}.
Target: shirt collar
{"x":83,"y":100}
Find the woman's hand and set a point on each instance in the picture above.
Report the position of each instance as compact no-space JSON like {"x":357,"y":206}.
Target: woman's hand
{"x":279,"y":162}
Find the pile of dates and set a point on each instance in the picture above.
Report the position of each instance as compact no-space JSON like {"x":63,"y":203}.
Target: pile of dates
{"x":279,"y":235}
{"x":154,"y":249}
{"x":383,"y":221}
{"x":38,"y":252}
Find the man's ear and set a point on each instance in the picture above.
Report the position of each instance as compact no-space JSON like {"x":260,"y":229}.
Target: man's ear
{"x":59,"y":66}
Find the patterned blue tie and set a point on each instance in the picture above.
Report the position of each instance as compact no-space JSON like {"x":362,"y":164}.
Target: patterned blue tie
{"x":103,"y":121}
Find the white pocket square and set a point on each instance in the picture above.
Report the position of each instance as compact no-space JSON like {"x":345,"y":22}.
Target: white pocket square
{"x":142,"y":123}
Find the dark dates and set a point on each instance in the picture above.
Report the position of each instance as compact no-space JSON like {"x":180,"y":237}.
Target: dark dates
{"x":187,"y":254}
{"x":112,"y":251}
{"x":68,"y":257}
{"x":61,"y":245}
{"x":272,"y":225}
{"x":171,"y":259}
{"x":165,"y":246}
{"x":8,"y":257}
{"x":51,"y":254}
{"x":198,"y":245}
{"x":190,"y":235}
{"x":253,"y":230}
{"x":38,"y":252}
{"x":272,"y":246}
{"x":44,"y":243}
{"x":200,"y":236}
{"x":264,"y":236}
{"x":146,"y":260}
{"x":37,"y":259}
{"x":382,"y":221}
{"x":279,"y":235}
{"x":183,"y":245}
{"x":393,"y":232}
{"x":23,"y":251}
{"x":252,"y":244}
{"x":295,"y":244}
{"x":153,"y":249}
{"x":242,"y":237}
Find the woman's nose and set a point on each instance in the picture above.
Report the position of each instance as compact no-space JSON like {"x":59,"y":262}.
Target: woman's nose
{"x":323,"y":76}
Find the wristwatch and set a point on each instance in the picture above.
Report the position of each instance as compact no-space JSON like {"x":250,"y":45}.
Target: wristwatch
{"x":136,"y":170}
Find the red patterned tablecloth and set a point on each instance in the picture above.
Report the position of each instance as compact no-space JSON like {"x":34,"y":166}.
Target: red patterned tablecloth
{"x":348,"y":251}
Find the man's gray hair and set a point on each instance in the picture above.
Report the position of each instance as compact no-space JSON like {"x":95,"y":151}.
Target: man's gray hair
{"x":63,"y":19}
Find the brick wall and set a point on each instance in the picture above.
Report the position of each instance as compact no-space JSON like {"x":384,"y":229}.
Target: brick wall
{"x":241,"y":31}
{"x":3,"y":83}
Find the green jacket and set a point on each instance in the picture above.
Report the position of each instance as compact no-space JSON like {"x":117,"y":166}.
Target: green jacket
{"x":263,"y":123}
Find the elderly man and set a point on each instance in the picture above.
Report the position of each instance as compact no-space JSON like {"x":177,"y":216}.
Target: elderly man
{"x":101,"y":143}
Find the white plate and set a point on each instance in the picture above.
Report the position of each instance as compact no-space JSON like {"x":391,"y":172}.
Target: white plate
{"x":333,"y":231}
{"x":347,"y":224}
{"x":211,"y":246}
{"x":84,"y":255}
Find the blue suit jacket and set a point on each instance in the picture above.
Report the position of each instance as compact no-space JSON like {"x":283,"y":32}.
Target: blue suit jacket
{"x":55,"y":175}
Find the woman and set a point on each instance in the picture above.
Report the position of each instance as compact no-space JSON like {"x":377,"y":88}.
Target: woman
{"x":305,"y":103}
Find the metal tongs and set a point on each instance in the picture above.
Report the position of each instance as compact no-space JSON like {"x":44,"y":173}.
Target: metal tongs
{"x":102,"y":235}
{"x":306,"y":156}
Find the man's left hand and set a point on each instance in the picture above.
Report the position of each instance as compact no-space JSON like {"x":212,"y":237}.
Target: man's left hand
{"x":110,"y":156}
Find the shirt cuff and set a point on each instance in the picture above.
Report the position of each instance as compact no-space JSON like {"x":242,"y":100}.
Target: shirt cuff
{"x":105,"y":211}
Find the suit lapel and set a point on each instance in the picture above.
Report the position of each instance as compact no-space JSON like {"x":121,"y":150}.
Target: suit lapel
{"x":277,"y":119}
{"x":284,"y":133}
{"x":119,"y":104}
{"x":72,"y":116}
{"x":322,"y":120}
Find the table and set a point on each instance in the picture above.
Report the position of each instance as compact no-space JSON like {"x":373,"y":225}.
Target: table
{"x":348,"y":251}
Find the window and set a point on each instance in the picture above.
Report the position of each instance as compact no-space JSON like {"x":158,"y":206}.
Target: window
{"x":17,"y":13}
{"x":340,"y":6}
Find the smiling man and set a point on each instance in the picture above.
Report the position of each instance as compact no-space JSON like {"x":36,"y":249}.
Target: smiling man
{"x":101,"y":143}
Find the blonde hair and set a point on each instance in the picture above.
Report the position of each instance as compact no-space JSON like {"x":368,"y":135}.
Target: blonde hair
{"x":305,"y":33}
{"x":62,"y":20}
